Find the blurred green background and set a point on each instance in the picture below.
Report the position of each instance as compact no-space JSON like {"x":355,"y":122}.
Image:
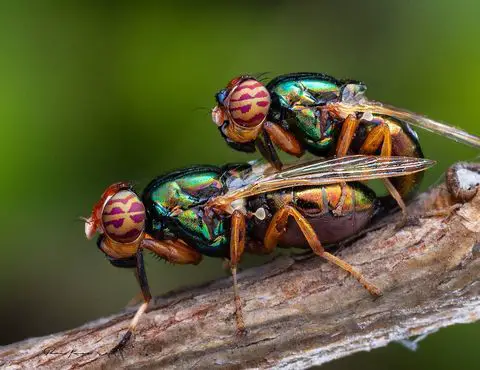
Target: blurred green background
{"x":92,"y":93}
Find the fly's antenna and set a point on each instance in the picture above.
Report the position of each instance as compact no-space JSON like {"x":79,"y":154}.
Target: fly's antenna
{"x":83,"y":219}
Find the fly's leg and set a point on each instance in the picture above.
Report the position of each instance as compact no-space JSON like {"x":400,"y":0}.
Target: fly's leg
{"x":398,"y":198}
{"x":338,"y":210}
{"x":380,"y":137}
{"x":277,"y":228}
{"x":349,"y":127}
{"x":174,"y":251}
{"x":267,"y":150}
{"x":237,"y":246}
{"x":285,"y":140}
{"x":142,"y":280}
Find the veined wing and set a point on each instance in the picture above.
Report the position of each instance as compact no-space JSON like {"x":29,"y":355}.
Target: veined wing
{"x":323,"y":172}
{"x":459,"y":135}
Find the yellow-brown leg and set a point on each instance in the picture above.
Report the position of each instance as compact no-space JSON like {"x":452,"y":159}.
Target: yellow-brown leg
{"x":285,"y":140}
{"x":175,"y":251}
{"x":237,"y":246}
{"x":398,"y":198}
{"x":142,"y":280}
{"x":380,"y":136}
{"x":278,"y":226}
{"x":349,"y":127}
{"x":266,"y":148}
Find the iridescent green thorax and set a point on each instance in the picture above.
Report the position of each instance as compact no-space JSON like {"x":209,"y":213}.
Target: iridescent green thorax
{"x":185,"y":191}
{"x":297,"y":100}
{"x":175,"y":206}
{"x":305,"y":91}
{"x":311,"y":89}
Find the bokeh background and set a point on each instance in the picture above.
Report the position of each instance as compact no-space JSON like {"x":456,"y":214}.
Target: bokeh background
{"x":92,"y":93}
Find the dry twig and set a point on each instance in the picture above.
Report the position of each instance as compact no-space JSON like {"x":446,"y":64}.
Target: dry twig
{"x":298,"y":312}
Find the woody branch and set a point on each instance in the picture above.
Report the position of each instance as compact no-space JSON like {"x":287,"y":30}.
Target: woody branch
{"x":298,"y":311}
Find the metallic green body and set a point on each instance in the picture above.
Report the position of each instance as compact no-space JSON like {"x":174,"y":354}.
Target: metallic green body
{"x":174,"y":205}
{"x":295,"y":99}
{"x":307,"y":91}
{"x":175,"y":209}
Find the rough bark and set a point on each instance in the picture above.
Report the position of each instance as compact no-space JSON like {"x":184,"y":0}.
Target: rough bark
{"x":299,"y":311}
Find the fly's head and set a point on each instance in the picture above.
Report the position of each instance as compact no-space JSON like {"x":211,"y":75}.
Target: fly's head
{"x":119,"y":217}
{"x":241,"y":109}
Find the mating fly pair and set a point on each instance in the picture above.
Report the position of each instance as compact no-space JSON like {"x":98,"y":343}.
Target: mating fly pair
{"x":225,"y":212}
{"x":255,"y":207}
{"x":317,"y":113}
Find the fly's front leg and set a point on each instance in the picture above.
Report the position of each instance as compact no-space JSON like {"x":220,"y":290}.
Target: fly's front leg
{"x":174,"y":251}
{"x":142,"y":280}
{"x":237,"y":247}
{"x":349,"y":128}
{"x":273,"y":133}
{"x":285,"y":140}
{"x":265,"y":146}
{"x":278,"y":226}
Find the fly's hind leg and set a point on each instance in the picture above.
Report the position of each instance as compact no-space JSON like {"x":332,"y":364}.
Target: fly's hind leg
{"x":277,"y":228}
{"x":381,"y":137}
{"x":237,"y":246}
{"x":398,"y":198}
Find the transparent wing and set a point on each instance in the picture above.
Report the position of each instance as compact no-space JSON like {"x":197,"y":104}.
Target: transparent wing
{"x":257,"y":180}
{"x":454,"y":133}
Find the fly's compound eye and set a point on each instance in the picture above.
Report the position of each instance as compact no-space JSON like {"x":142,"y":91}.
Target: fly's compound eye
{"x":248,"y":103}
{"x":123,"y":217}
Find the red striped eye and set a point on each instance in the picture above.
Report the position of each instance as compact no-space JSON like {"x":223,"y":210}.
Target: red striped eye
{"x":123,"y":217}
{"x":248,"y":103}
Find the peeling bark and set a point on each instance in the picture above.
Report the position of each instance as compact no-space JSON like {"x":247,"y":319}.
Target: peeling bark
{"x":299,"y":311}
